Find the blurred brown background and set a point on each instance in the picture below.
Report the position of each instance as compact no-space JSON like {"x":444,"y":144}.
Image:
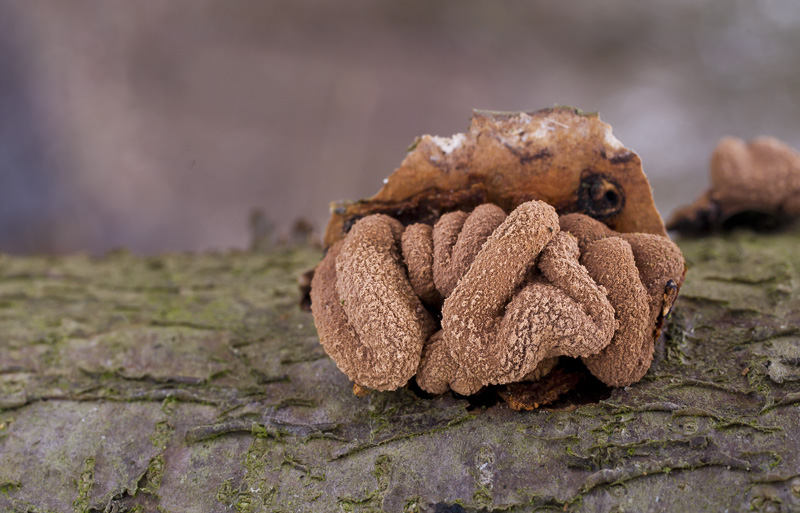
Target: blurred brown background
{"x":159,"y":125}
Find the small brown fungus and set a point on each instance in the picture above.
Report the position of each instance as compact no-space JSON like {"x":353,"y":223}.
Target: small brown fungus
{"x":496,"y":341}
{"x":531,"y":237}
{"x":500,"y":324}
{"x":752,"y":184}
{"x":659,"y":262}
{"x":457,"y":238}
{"x":368,"y":317}
{"x":418,"y":255}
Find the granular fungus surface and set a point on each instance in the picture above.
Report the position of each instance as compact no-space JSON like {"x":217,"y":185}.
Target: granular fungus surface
{"x":481,"y":263}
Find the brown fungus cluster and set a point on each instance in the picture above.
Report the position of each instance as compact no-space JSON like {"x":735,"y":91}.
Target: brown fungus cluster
{"x":753,"y":184}
{"x":517,"y":292}
{"x":490,"y":265}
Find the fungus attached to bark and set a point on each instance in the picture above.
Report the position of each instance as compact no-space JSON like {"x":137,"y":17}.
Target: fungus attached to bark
{"x":526,"y":293}
{"x":368,"y":317}
{"x":502,"y":322}
{"x":454,"y":290}
{"x":658,"y":260}
{"x":496,"y":340}
{"x":752,"y":184}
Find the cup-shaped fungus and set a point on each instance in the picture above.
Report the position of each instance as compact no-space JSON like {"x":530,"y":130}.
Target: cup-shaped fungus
{"x":490,"y":254}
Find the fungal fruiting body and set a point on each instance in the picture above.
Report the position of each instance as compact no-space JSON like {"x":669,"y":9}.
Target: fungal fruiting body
{"x":475,"y":279}
{"x":529,"y":287}
{"x":368,"y":317}
{"x":755,"y":183}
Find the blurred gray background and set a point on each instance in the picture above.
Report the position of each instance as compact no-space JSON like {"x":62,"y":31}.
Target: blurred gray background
{"x":159,"y":125}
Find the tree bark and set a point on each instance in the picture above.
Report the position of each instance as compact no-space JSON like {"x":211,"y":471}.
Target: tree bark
{"x":195,"y":383}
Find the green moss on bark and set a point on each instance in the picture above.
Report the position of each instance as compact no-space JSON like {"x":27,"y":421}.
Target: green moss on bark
{"x":193,"y":382}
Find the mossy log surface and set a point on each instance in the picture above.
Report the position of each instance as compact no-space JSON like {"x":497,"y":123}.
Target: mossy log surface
{"x":195,"y":383}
